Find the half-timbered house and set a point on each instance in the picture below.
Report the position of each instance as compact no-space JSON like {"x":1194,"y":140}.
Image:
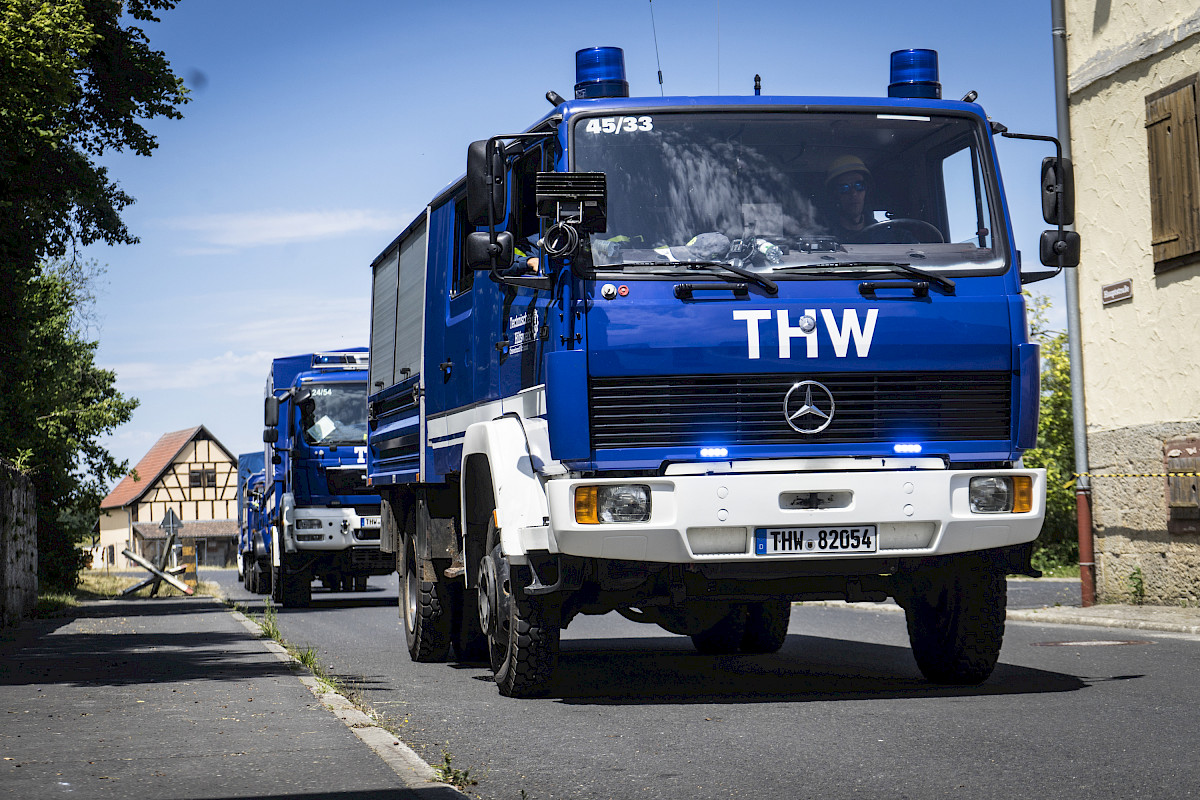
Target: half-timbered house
{"x":188,"y":471}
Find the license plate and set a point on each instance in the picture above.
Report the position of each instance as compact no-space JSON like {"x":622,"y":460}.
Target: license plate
{"x":368,"y":522}
{"x":811,"y":541}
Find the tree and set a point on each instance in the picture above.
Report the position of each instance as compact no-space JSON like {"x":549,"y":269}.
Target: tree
{"x":1058,"y":544}
{"x":77,"y":79}
{"x":71,"y":403}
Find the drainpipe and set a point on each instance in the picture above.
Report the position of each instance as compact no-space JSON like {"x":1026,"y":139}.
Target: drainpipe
{"x":1083,"y":485}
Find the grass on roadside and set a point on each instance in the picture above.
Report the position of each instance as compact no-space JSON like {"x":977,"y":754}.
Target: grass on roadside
{"x":103,"y":585}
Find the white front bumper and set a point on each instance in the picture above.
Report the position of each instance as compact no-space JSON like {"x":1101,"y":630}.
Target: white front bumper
{"x":340,"y":528}
{"x":712,"y":517}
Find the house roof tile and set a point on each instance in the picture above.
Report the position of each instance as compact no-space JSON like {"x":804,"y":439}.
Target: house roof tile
{"x":152,"y":466}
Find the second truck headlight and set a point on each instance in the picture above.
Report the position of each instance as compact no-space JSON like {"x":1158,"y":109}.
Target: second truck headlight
{"x":612,"y":503}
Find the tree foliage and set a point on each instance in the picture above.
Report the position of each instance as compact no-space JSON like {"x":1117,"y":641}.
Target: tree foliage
{"x":77,"y":80}
{"x":1058,"y":544}
{"x":71,"y":403}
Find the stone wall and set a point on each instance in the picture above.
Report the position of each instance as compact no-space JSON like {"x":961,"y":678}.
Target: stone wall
{"x":18,"y":546}
{"x":1137,"y":558}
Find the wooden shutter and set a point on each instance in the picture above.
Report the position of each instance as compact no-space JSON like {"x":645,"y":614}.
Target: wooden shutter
{"x":1174,"y":172}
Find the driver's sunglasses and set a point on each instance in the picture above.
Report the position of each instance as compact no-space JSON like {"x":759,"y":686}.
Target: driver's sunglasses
{"x":858,"y":186}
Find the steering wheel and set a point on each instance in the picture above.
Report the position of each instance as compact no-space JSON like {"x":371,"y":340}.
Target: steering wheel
{"x":913,"y":227}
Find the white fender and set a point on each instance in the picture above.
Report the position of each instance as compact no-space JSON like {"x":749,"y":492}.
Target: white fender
{"x":517,"y":465}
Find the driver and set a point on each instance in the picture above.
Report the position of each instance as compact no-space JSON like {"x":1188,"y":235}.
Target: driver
{"x":847,"y":182}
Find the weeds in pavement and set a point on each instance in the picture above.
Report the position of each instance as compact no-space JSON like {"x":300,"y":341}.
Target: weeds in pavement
{"x":1137,"y":586}
{"x":446,"y":772}
{"x":270,"y":623}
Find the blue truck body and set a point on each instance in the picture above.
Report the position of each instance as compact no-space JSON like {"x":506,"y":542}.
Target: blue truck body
{"x":702,"y":402}
{"x":320,"y":522}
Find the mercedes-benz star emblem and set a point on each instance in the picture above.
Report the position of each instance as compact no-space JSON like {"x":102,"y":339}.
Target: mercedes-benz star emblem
{"x":805,"y":413}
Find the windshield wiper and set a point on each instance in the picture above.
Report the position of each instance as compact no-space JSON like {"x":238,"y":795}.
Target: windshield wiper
{"x":767,"y":284}
{"x":892,"y":266}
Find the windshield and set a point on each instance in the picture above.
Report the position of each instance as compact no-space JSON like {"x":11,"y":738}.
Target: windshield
{"x":335,"y":414}
{"x":805,"y":191}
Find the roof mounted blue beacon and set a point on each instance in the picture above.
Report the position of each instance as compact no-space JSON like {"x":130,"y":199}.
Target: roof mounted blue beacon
{"x":915,"y":75}
{"x":600,"y":72}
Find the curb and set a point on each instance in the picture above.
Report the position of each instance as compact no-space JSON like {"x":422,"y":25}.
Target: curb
{"x":1045,"y":616}
{"x":416,"y":774}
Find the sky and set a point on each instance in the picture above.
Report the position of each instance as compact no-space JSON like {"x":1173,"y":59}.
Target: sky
{"x":317,"y":131}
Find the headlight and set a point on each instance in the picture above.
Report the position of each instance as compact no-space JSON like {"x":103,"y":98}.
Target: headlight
{"x":306,"y":524}
{"x":612,"y":503}
{"x":999,"y":494}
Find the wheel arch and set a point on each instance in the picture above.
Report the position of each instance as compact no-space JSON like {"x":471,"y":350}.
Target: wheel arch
{"x":499,"y":477}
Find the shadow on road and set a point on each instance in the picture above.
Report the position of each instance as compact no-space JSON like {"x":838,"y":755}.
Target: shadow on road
{"x":50,"y":655}
{"x":808,"y":668}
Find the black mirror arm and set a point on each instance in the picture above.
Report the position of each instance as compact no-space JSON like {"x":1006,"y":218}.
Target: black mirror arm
{"x":1059,"y":188}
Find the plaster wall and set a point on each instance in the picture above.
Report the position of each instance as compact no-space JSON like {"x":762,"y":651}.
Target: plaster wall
{"x":1140,"y":355}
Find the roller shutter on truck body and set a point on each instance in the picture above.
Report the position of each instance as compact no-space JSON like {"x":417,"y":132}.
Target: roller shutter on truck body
{"x":397,"y":309}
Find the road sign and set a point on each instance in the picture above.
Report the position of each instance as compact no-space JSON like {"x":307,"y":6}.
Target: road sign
{"x":171,"y":522}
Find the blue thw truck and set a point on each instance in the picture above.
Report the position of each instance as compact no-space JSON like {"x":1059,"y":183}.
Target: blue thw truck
{"x":691,"y":359}
{"x":321,"y":521}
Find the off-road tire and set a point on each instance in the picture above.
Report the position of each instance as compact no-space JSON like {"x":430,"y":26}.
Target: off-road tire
{"x":725,"y":636}
{"x":425,"y":609}
{"x":955,"y":620}
{"x":766,"y":626}
{"x":291,"y":590}
{"x":525,"y":662}
{"x":524,"y":650}
{"x":360,"y":583}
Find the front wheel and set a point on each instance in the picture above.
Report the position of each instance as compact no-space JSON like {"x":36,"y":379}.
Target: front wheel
{"x":955,"y":620}
{"x":522,"y":641}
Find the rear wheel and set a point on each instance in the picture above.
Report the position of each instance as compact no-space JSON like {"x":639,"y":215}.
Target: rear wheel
{"x":425,"y":608}
{"x":725,"y":636}
{"x":766,"y":626}
{"x":955,"y":620}
{"x":360,"y":583}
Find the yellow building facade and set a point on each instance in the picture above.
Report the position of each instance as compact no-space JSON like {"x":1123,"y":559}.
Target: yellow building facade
{"x":1133,"y":72}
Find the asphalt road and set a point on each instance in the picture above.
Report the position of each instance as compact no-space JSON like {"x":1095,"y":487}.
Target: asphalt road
{"x":840,"y":711}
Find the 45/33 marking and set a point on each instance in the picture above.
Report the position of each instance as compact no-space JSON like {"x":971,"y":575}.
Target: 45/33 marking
{"x":617,"y":125}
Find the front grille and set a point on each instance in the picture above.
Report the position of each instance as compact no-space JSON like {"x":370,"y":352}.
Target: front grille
{"x":347,"y":481}
{"x":698,"y":410}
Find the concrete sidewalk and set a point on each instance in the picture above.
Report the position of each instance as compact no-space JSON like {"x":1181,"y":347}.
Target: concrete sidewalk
{"x":179,"y":698}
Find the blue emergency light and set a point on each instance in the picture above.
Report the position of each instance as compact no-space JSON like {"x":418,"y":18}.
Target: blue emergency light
{"x":600,"y":72}
{"x":915,"y":74}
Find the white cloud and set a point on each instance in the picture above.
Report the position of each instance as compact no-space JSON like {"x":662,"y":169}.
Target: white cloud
{"x":254,"y":229}
{"x":223,"y":371}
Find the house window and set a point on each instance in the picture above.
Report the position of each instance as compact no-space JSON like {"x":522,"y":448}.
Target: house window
{"x":202,"y":478}
{"x":1174,"y":174}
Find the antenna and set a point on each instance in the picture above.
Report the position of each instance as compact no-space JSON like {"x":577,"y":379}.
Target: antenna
{"x":656,"y":56}
{"x":718,"y":47}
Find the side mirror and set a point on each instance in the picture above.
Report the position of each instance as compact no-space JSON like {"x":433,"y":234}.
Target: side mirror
{"x":271,"y":412}
{"x":1058,"y":208}
{"x":270,"y":435}
{"x":485,"y":183}
{"x":1060,"y":248}
{"x":479,"y":250}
